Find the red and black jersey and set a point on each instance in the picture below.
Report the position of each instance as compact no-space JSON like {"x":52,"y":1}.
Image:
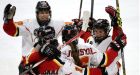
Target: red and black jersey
{"x":46,"y":67}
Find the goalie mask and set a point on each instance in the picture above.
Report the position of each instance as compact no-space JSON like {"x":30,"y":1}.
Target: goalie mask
{"x":69,"y":32}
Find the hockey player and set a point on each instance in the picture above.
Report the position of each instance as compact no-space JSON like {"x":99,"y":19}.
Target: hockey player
{"x":43,"y":51}
{"x":26,"y":28}
{"x":101,"y":39}
{"x":84,"y":54}
{"x":46,"y":52}
{"x":77,"y":52}
{"x":101,"y":34}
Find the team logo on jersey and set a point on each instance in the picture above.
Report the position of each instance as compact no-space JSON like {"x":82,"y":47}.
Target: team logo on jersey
{"x":87,"y":51}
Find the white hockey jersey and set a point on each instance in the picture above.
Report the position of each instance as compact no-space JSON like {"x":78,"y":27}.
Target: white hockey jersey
{"x":85,"y":52}
{"x":112,"y":69}
{"x":26,"y":30}
{"x":88,"y":54}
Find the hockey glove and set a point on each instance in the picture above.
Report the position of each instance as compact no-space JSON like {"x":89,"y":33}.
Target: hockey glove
{"x":50,"y":51}
{"x":38,"y":45}
{"x":91,"y":23}
{"x":54,"y":42}
{"x":23,"y":68}
{"x":113,"y":15}
{"x":119,"y":42}
{"x":78,"y":23}
{"x":9,"y":12}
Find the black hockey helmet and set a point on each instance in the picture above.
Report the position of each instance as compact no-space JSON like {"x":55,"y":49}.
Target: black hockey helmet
{"x":91,"y":23}
{"x":69,"y":32}
{"x":42,"y":6}
{"x":102,"y":24}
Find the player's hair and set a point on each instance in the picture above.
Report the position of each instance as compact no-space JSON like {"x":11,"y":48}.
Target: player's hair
{"x":75,"y":54}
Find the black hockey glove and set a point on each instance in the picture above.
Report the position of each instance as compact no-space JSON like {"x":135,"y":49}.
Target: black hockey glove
{"x":91,"y":23}
{"x":50,"y":51}
{"x":77,"y":23}
{"x":23,"y":68}
{"x":113,"y":15}
{"x":54,"y":42}
{"x":119,"y":42}
{"x":38,"y":45}
{"x":9,"y":12}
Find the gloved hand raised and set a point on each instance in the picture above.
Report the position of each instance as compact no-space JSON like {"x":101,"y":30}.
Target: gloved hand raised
{"x":91,"y":23}
{"x":9,"y":12}
{"x":113,"y":15}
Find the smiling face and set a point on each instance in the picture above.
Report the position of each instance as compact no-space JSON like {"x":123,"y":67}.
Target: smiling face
{"x":43,"y":16}
{"x":43,"y":13}
{"x":101,"y":30}
{"x":100,"y":34}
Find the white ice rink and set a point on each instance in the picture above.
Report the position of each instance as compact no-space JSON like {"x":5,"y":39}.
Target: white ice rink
{"x":10,"y":47}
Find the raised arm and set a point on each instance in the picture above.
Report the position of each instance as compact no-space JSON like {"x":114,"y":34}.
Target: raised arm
{"x":9,"y":26}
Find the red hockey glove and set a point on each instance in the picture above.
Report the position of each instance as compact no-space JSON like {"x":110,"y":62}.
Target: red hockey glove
{"x":113,"y":15}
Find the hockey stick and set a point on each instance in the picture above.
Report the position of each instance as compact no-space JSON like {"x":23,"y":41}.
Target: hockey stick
{"x":38,"y":63}
{"x":86,"y":16}
{"x":80,"y":9}
{"x":59,"y":32}
{"x":92,"y":6}
{"x":119,"y":21}
{"x":123,"y":62}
